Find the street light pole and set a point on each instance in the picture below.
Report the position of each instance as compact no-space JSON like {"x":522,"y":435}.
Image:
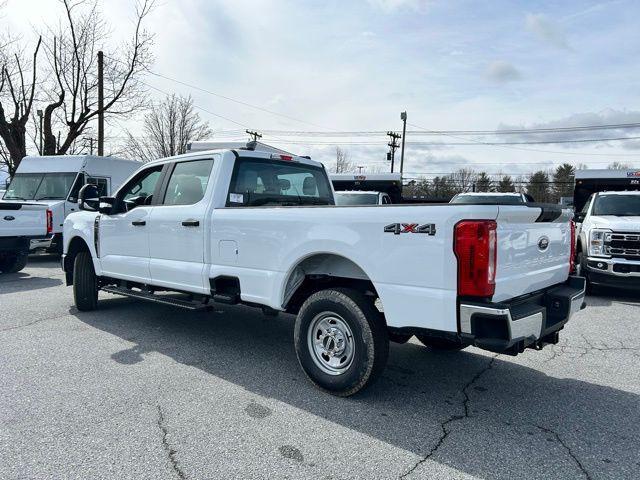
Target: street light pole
{"x":403,"y":117}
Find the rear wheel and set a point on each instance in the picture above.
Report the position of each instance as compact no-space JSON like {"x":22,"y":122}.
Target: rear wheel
{"x":13,"y":264}
{"x":440,"y":343}
{"x":85,"y":282}
{"x":341,"y":341}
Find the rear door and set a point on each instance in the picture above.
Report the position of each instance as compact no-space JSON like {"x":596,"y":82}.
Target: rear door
{"x":534,"y":245}
{"x":124,"y":236}
{"x":177,"y":226}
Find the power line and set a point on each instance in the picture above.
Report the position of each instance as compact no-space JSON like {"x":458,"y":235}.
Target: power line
{"x":540,"y":151}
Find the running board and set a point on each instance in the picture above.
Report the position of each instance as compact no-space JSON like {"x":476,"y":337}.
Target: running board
{"x":150,"y":297}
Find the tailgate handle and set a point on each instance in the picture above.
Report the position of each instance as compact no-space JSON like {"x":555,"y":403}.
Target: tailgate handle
{"x":138,"y":223}
{"x":191,"y":223}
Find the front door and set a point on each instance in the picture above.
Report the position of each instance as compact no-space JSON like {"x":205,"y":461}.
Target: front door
{"x":124,"y":236}
{"x":177,"y":228}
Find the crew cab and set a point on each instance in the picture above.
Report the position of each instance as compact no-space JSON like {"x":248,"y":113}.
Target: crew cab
{"x":261,"y":229}
{"x":608,"y":249}
{"x":54,"y":182}
{"x":19,"y":223}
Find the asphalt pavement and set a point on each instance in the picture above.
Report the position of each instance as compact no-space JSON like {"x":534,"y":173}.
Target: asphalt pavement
{"x":143,"y":391}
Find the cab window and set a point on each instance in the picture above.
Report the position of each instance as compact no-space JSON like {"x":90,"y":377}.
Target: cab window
{"x":139,"y":191}
{"x":259,"y":182}
{"x":188,"y":182}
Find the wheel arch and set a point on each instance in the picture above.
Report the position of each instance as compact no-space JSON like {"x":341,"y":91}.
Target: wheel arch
{"x":322,"y":270}
{"x":76,"y":245}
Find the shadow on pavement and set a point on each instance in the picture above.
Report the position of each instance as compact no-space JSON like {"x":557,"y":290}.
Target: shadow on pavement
{"x":604,"y":296}
{"x":520,"y":420}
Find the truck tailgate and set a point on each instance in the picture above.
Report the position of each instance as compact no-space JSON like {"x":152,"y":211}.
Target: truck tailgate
{"x":22,"y":220}
{"x":534,"y":245}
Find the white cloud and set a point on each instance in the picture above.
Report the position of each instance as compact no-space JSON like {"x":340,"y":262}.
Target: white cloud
{"x":501,"y":71}
{"x":395,"y":5}
{"x":547,"y":30}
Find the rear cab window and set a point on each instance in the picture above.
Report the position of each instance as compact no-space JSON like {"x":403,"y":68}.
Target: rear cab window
{"x":188,"y":182}
{"x":266,"y":182}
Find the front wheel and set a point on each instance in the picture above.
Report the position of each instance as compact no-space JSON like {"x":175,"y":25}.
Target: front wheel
{"x":85,"y":282}
{"x":341,"y":341}
{"x":13,"y":264}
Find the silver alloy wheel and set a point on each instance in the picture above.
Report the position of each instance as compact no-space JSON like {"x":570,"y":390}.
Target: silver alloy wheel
{"x":331,"y":343}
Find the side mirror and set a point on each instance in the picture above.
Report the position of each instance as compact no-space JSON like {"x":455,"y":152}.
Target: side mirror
{"x":88,"y":198}
{"x":106,"y":205}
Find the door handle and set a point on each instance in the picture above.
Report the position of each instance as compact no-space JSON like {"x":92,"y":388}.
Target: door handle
{"x":190,"y":223}
{"x":138,"y":223}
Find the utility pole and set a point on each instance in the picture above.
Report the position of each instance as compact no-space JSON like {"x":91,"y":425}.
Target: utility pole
{"x":393,"y":144}
{"x":90,"y":140}
{"x":403,"y":117}
{"x":100,"y":105}
{"x":254,"y":135}
{"x":40,"y":115}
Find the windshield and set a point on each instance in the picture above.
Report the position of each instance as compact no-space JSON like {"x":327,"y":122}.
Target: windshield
{"x":356,"y":198}
{"x":617,"y":205}
{"x":488,"y":199}
{"x":40,"y":186}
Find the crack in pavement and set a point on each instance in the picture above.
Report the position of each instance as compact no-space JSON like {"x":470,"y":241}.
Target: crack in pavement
{"x":171,"y":453}
{"x":452,"y":418}
{"x":16,"y":327}
{"x":569,"y":451}
{"x":583,"y":350}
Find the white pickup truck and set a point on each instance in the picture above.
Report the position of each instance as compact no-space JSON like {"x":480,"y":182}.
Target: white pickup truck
{"x":261,"y":229}
{"x":19,"y":223}
{"x":608,"y":248}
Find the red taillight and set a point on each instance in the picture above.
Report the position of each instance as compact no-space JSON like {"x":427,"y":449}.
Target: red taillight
{"x":475,"y":247}
{"x":572,"y":255}
{"x":49,"y":222}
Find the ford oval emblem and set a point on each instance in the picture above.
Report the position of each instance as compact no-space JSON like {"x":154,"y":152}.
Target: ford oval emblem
{"x":543,"y":243}
{"x":8,"y":218}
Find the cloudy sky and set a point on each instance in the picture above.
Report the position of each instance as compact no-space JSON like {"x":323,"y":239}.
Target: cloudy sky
{"x":354,"y":66}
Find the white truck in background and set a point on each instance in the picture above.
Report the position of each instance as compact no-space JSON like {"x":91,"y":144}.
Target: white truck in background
{"x":358,"y":197}
{"x":257,"y":228}
{"x":19,"y":223}
{"x":55,"y":181}
{"x":607,"y":204}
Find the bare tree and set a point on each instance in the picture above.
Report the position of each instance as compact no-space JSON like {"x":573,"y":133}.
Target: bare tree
{"x":17,"y":92}
{"x":618,"y":166}
{"x":343,"y":163}
{"x":73,"y":61}
{"x":168,"y":128}
{"x":463,"y":179}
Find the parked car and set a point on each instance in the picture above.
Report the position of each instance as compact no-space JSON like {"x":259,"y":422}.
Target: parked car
{"x":361,"y":198}
{"x":490,"y":198}
{"x":55,"y":182}
{"x":608,"y":250}
{"x":257,"y":228}
{"x":19,"y":223}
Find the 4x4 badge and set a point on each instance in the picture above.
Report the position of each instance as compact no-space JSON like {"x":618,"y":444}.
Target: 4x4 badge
{"x":398,"y":228}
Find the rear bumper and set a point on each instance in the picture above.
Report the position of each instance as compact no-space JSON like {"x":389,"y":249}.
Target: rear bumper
{"x":532,"y":321}
{"x":51,"y":242}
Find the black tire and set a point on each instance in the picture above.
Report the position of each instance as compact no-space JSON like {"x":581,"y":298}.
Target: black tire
{"x":85,"y":283}
{"x":13,"y":264}
{"x":582,"y":262}
{"x":369,"y":340}
{"x":440,"y":343}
